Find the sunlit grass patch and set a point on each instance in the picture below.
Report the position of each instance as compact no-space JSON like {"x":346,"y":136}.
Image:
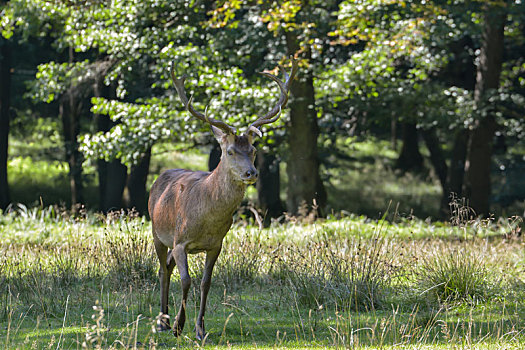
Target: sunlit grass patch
{"x":352,"y":282}
{"x":456,"y":275}
{"x":33,"y":182}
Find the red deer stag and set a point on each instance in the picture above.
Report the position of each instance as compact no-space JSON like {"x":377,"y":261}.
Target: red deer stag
{"x":191,"y":211}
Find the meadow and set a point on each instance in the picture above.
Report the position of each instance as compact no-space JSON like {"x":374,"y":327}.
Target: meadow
{"x":346,"y":282}
{"x":385,"y":281}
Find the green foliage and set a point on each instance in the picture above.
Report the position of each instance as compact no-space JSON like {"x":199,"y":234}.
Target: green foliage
{"x":53,"y":79}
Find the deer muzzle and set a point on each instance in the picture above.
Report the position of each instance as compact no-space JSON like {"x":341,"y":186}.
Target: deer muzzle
{"x":250,"y":176}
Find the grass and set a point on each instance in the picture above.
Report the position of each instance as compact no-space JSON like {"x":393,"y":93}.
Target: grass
{"x":349,"y":283}
{"x":366,"y":179}
{"x":33,"y":182}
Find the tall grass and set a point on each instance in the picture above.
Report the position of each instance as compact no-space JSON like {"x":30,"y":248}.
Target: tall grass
{"x":456,"y":275}
{"x":348,"y":283}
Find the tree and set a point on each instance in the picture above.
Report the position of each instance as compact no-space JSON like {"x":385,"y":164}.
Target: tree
{"x":410,"y":158}
{"x":300,"y":25}
{"x":305,"y":186}
{"x":268,"y":186}
{"x":415,"y":50}
{"x":111,"y":174}
{"x":5,"y":78}
{"x":70,"y":109}
{"x":479,"y":151}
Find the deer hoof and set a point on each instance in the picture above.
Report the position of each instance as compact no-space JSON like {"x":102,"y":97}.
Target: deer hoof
{"x":163,"y":323}
{"x":200,"y":336}
{"x":177,"y":330}
{"x":200,"y":333}
{"x":179,"y":326}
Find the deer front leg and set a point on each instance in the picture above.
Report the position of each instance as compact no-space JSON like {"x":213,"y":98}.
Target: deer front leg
{"x":166,"y":268}
{"x":181,"y":260}
{"x":211,"y":258}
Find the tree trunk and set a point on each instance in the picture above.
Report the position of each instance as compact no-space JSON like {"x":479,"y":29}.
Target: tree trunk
{"x":69,"y":114}
{"x":393,"y":132}
{"x":5,"y":85}
{"x":112,"y":185}
{"x":456,"y":171}
{"x":69,"y":111}
{"x":304,"y":182}
{"x":410,"y":159}
{"x":111,"y":175}
{"x":268,"y":187}
{"x":436,"y":156}
{"x":136,"y":185}
{"x":440,"y":167}
{"x":479,"y":154}
{"x":215,"y":156}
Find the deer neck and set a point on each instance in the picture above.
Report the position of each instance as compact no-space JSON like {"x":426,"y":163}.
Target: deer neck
{"x":225,"y":190}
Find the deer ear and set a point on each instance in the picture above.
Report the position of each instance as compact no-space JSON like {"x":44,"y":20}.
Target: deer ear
{"x":252,"y":132}
{"x":218,"y":133}
{"x":222,"y":136}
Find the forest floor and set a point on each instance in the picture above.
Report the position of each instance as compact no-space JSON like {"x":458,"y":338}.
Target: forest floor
{"x":351,"y":282}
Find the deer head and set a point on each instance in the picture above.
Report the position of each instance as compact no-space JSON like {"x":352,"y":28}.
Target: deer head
{"x":238,"y":153}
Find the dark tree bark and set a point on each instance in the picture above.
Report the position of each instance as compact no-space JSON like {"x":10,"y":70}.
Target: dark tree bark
{"x":268,"y":186}
{"x":215,"y":156}
{"x":69,"y":114}
{"x":456,"y":171}
{"x":112,"y":181}
{"x":304,"y":181}
{"x":393,"y":132}
{"x":460,"y":71}
{"x":437,"y":158}
{"x":136,"y":184}
{"x":436,"y":155}
{"x":479,"y":152}
{"x":410,"y":159}
{"x":70,"y":107}
{"x":5,"y":85}
{"x":111,"y":175}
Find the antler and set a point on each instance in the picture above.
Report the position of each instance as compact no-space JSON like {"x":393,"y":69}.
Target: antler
{"x":179,"y":86}
{"x":274,"y":114}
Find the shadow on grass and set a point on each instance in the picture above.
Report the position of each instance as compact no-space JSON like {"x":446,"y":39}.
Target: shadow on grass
{"x":250,"y":315}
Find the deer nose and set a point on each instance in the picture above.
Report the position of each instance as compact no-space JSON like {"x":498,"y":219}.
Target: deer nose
{"x":251,"y":174}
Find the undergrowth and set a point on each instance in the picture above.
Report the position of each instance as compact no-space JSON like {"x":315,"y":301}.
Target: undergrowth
{"x":349,"y":282}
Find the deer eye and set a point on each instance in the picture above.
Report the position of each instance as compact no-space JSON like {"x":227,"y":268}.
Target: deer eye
{"x":230,"y":152}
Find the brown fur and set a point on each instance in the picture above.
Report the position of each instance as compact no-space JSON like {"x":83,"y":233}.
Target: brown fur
{"x":191,"y":212}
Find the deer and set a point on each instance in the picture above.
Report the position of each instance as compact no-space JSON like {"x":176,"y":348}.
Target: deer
{"x":192,"y":211}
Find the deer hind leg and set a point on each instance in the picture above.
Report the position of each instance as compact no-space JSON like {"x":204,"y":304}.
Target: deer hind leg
{"x":163,"y":322}
{"x":211,"y":258}
{"x":181,"y":260}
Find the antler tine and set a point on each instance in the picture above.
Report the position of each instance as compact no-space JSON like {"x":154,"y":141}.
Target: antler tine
{"x":275,"y":112}
{"x":289,"y":79}
{"x":286,"y":76}
{"x":179,"y":86}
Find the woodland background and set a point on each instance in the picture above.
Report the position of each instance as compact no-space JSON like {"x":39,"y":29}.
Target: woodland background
{"x":402,"y":102}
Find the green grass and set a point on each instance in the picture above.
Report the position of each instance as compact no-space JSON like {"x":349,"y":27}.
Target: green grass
{"x":366,"y":180}
{"x":35,"y":182}
{"x":352,"y":282}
